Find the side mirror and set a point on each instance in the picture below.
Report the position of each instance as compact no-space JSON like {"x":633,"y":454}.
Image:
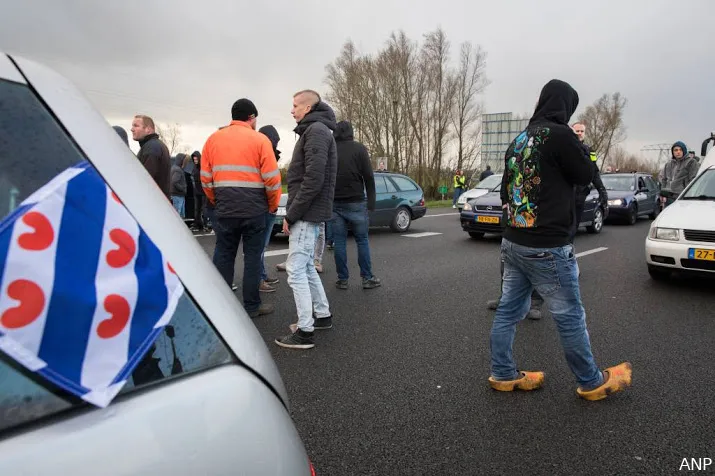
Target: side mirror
{"x":667,"y":193}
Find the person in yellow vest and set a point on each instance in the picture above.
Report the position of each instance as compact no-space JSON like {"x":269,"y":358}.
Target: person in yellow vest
{"x":459,"y":183}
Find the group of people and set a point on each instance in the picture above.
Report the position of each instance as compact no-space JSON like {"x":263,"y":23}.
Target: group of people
{"x":330,"y":184}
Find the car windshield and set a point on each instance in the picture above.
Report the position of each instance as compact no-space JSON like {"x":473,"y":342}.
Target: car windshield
{"x":623,"y":183}
{"x":703,"y":187}
{"x":490,"y":182}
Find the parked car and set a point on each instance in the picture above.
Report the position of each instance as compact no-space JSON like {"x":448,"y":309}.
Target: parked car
{"x":206,"y":383}
{"x":280,"y":216}
{"x":682,"y":238}
{"x":484,"y":214}
{"x":482,"y":188}
{"x":631,"y":195}
{"x":398,"y":202}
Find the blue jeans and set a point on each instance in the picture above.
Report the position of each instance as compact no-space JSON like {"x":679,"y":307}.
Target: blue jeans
{"x":329,"y":232}
{"x":270,"y":220}
{"x":457,"y":193}
{"x":179,"y":204}
{"x":229,"y":232}
{"x":554,"y":274}
{"x":356,"y":215}
{"x":303,"y":279}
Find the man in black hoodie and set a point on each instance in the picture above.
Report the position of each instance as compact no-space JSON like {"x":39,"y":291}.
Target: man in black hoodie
{"x":199,"y":195}
{"x":311,"y":188}
{"x":542,"y":166}
{"x":354,"y":180}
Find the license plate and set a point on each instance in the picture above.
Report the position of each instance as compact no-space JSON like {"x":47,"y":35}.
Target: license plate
{"x":483,"y":219}
{"x":704,"y":255}
{"x":281,"y":211}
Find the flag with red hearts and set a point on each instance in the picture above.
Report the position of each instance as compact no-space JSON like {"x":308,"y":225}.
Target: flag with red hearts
{"x":84,"y":292}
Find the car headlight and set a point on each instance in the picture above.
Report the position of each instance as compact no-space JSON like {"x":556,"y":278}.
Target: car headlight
{"x":615,"y":203}
{"x":467,"y":207}
{"x":669,"y":234}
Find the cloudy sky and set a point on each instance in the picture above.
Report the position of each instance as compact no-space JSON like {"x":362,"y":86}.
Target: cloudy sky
{"x":186,"y":61}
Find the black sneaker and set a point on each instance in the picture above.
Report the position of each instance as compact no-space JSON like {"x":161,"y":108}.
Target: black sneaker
{"x":341,"y":284}
{"x":272,"y":281}
{"x":371,"y":283}
{"x":493,"y":304}
{"x":297,"y":340}
{"x":323,"y":322}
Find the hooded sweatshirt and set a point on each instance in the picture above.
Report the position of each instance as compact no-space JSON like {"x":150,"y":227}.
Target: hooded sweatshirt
{"x":542,"y":166}
{"x":312,"y":170}
{"x":355,"y":177}
{"x":178,"y":180}
{"x":678,"y":173}
{"x":196,"y":174}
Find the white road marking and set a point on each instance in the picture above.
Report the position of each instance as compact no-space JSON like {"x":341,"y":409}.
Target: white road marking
{"x":277,"y":252}
{"x":442,"y":215}
{"x":590,"y":252}
{"x":421,"y":235}
{"x":205,"y":234}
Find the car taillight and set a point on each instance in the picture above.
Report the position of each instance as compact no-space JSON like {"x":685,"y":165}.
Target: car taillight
{"x":422,"y":202}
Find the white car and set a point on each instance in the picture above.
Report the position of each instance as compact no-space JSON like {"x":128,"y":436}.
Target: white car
{"x":682,"y":238}
{"x":484,"y":187}
{"x":205,"y":398}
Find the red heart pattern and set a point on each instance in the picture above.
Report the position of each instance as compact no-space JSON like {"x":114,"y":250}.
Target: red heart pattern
{"x":171,"y":268}
{"x":126,"y":247}
{"x":116,"y":199}
{"x":42,"y":237}
{"x":32,"y":303}
{"x":119,"y":309}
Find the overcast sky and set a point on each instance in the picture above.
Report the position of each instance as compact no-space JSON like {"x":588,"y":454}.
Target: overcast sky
{"x":187,"y":61}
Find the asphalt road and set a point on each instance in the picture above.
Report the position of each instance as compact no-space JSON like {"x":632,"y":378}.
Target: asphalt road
{"x":399,"y":385}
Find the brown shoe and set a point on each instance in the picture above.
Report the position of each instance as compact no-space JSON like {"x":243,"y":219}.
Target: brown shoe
{"x":264,"y":287}
{"x":263,"y":309}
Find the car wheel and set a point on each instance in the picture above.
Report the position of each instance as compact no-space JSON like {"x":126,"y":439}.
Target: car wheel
{"x":658,"y":273}
{"x":597,"y":224}
{"x":633,"y":215}
{"x":401,"y":221}
{"x":476,"y":235}
{"x":656,"y":211}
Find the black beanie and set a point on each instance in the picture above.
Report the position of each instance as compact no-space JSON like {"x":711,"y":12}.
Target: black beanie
{"x":243,"y":109}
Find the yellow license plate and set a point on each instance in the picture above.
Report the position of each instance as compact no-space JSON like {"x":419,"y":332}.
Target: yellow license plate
{"x":482,"y":219}
{"x":704,"y":255}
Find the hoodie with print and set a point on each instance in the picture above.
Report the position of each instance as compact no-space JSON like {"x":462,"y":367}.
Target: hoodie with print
{"x":543,"y":165}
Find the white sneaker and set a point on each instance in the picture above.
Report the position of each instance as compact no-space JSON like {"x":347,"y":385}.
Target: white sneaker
{"x":454,"y":206}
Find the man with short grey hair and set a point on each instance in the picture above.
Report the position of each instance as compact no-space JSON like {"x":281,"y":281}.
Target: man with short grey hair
{"x":311,"y":189}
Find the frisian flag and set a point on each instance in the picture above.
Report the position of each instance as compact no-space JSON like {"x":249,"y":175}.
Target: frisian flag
{"x":84,"y":292}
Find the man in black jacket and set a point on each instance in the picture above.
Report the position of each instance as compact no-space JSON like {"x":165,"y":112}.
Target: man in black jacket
{"x":542,"y":166}
{"x":583,"y":191}
{"x":354,"y":180}
{"x":311,"y":189}
{"x":153,"y":154}
{"x":199,"y":195}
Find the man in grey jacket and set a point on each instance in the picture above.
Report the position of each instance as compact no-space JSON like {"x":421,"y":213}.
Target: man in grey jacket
{"x":678,"y":172}
{"x":178,"y":185}
{"x":311,"y":189}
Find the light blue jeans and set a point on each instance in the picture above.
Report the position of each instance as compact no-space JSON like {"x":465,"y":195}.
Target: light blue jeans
{"x":554,"y":274}
{"x":179,"y":204}
{"x":303,"y":279}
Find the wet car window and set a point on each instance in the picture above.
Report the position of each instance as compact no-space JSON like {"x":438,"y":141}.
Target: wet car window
{"x":490,"y":182}
{"x":380,"y":186}
{"x":390,"y":185}
{"x":34,"y":149}
{"x":624,"y":183}
{"x":404,"y":184}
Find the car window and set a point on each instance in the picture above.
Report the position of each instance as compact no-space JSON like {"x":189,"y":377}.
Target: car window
{"x":34,"y":149}
{"x":390,"y":186}
{"x":406,"y":185}
{"x":703,"y":186}
{"x":650,"y":183}
{"x":624,"y":183}
{"x":380,"y":186}
{"x":490,"y":182}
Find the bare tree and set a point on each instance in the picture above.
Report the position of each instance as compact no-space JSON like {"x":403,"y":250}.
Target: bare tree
{"x":470,"y":83}
{"x":170,"y":134}
{"x":604,"y":125}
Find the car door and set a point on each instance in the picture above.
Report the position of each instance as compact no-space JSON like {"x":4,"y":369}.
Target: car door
{"x":384,"y":202}
{"x":645,"y":204}
{"x":653,"y":190}
{"x":589,"y":206}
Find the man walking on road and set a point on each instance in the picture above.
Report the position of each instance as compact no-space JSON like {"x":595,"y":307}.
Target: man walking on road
{"x":678,"y":172}
{"x":240,"y":176}
{"x":311,"y":188}
{"x":153,"y":153}
{"x":460,"y":183}
{"x":542,"y":166}
{"x":354,"y":180}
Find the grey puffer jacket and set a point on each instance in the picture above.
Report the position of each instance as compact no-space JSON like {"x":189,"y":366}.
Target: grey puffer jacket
{"x":312,"y":171}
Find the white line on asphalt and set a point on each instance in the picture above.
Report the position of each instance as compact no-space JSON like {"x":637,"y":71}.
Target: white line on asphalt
{"x":442,"y":215}
{"x":590,"y":252}
{"x":421,"y":235}
{"x":277,"y":252}
{"x":205,"y":234}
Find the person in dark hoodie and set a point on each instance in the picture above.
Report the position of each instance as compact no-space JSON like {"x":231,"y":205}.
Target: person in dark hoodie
{"x":268,"y":283}
{"x":199,"y":195}
{"x":678,"y":172}
{"x":543,"y":165}
{"x":178,"y":185}
{"x":311,"y":188}
{"x":354,"y":180}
